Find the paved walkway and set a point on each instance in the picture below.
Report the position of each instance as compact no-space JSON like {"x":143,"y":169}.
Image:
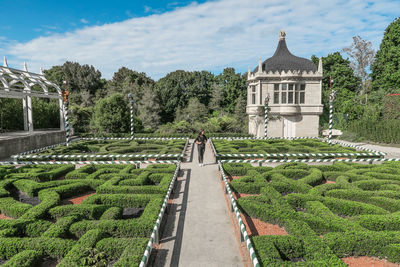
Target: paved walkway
{"x":391,"y":152}
{"x":199,"y":231}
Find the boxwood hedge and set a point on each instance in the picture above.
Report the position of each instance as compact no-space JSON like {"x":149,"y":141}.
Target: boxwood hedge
{"x":356,"y":215}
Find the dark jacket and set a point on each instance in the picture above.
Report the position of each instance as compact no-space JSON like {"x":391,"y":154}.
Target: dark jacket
{"x":202,"y":139}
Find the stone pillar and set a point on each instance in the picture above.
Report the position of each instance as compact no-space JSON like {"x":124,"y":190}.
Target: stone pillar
{"x":30,"y":116}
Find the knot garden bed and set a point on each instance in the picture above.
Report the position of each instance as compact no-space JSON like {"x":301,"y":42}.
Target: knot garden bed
{"x":289,"y":148}
{"x":116,"y":223}
{"x":98,"y":149}
{"x":329,"y":211}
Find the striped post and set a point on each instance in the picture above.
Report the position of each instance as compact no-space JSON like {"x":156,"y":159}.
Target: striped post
{"x":266,"y":116}
{"x":65,"y":94}
{"x":331,"y":99}
{"x":130,"y":96}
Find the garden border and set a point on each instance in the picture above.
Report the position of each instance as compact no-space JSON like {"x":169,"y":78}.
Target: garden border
{"x":244,"y":237}
{"x":369,"y":160}
{"x":87,"y":162}
{"x":27,"y":154}
{"x":155,"y":238}
{"x":372,"y":152}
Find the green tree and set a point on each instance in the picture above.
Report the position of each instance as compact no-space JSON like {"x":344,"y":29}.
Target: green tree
{"x":386,"y":67}
{"x":80,"y":118}
{"x":45,"y":113}
{"x":127,"y":81}
{"x":11,"y":115}
{"x":149,"y":110}
{"x":240,"y":113}
{"x":176,"y":88}
{"x":345,"y":83}
{"x":83,"y":81}
{"x":195,"y":112}
{"x":112,"y":115}
{"x":233,"y":85}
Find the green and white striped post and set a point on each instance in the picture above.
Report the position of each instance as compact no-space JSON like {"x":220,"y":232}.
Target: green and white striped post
{"x":130,"y":96}
{"x":65,"y":95}
{"x":331,"y":99}
{"x":266,"y":116}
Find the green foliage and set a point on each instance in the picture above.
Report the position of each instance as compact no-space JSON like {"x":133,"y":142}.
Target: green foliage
{"x":193,"y":112}
{"x":345,"y":83}
{"x":276,"y":147}
{"x":149,"y":110}
{"x":356,"y":216}
{"x":386,"y":68}
{"x":80,"y":118}
{"x":176,"y":88}
{"x":111,"y":115}
{"x":46,"y":113}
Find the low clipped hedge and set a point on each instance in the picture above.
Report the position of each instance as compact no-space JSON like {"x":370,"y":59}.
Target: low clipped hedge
{"x":102,"y":230}
{"x":358,"y":215}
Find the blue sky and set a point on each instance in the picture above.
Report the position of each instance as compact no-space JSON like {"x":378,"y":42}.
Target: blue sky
{"x":158,"y":37}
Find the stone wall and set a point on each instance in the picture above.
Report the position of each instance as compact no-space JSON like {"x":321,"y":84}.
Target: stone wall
{"x":16,"y":143}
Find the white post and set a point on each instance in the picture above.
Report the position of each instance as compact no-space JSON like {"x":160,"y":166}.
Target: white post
{"x":25,"y":112}
{"x":30,"y":116}
{"x":62,"y":126}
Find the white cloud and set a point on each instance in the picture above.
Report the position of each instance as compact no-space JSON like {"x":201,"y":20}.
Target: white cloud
{"x":212,"y":35}
{"x":84,"y":21}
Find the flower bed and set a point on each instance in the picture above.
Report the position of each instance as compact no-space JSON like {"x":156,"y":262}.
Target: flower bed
{"x":358,"y":215}
{"x":112,"y":226}
{"x":110,"y":149}
{"x":283,"y":148}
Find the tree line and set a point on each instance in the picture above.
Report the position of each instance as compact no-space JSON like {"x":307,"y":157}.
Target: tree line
{"x":367,"y":85}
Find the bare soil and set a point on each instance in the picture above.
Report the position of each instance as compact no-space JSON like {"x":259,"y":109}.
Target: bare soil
{"x":4,"y":217}
{"x":77,"y":199}
{"x":256,"y":227}
{"x":329,"y":182}
{"x":368,"y":261}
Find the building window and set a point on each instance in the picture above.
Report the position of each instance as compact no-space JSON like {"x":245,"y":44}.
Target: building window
{"x":283,"y":93}
{"x":276,"y":93}
{"x":253,"y":95}
{"x":290,"y":93}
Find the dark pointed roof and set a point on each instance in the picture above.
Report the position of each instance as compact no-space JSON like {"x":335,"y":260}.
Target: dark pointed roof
{"x":284,"y":60}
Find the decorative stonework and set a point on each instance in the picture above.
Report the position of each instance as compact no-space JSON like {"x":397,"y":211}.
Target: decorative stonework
{"x":298,"y":116}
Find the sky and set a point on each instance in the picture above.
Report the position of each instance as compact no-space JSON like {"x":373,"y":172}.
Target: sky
{"x":158,"y":37}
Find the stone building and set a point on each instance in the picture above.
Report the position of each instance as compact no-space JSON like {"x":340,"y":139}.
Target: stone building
{"x":294,"y":87}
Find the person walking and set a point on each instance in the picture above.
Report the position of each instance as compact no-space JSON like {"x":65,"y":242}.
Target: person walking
{"x":201,"y":141}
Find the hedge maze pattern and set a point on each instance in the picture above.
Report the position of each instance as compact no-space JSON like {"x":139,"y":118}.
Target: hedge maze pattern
{"x":106,"y":149}
{"x":282,"y":148}
{"x":110,"y":227}
{"x":357,"y":213}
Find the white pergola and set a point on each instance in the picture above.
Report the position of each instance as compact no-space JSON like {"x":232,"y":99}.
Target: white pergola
{"x":25,"y":85}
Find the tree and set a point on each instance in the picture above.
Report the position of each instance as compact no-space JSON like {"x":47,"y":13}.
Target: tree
{"x":83,"y":81}
{"x":386,"y":67}
{"x":362,"y":55}
{"x":149,"y":109}
{"x":176,"y":88}
{"x":240,"y":112}
{"x":127,"y":81}
{"x":345,"y":83}
{"x":112,"y":115}
{"x":194,"y":112}
{"x":233,"y":85}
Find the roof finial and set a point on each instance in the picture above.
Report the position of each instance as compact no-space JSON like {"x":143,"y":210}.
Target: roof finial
{"x":282,"y":34}
{"x":25,"y":66}
{"x":320,"y":70}
{"x":5,"y":62}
